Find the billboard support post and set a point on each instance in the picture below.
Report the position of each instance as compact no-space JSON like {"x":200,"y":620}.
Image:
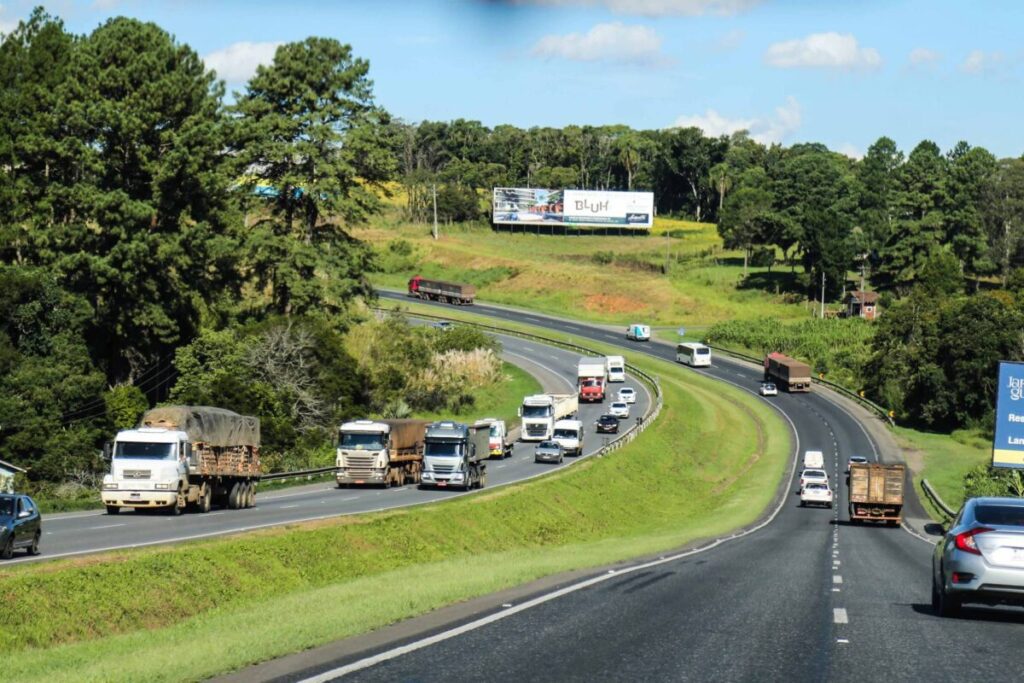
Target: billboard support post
{"x":1008,"y":442}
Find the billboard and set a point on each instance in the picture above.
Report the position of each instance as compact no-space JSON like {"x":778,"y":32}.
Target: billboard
{"x":583,"y":208}
{"x":1008,"y":443}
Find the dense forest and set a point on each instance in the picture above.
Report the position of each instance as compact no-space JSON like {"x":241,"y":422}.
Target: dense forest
{"x":143,"y":258}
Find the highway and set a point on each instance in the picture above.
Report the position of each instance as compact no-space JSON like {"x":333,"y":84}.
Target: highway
{"x":807,"y":597}
{"x":90,"y":532}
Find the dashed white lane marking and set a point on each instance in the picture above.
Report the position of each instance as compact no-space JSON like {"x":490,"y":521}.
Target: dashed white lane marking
{"x":836,"y":578}
{"x":835,"y":590}
{"x":836,"y":563}
{"x":842,"y":640}
{"x":288,"y":507}
{"x":839,"y":616}
{"x":106,"y":526}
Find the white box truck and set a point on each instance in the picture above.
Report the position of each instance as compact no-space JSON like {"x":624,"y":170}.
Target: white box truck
{"x":540,"y":412}
{"x":616,"y":368}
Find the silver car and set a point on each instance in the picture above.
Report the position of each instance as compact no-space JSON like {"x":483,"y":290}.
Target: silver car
{"x":981,"y":556}
{"x":548,"y":451}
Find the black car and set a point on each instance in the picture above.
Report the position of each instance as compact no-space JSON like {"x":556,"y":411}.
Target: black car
{"x":608,"y":424}
{"x":20,"y":525}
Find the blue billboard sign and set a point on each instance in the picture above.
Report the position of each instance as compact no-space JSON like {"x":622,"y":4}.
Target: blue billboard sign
{"x":1008,"y":444}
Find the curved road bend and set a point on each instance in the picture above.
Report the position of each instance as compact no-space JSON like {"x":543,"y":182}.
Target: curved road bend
{"x":90,"y":532}
{"x":806,"y":598}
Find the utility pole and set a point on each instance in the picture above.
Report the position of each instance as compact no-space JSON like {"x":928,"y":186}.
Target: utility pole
{"x":823,"y":294}
{"x":434,"y":192}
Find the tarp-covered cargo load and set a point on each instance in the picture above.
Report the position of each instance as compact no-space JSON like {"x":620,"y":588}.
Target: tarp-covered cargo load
{"x":217,"y":427}
{"x":406,"y":433}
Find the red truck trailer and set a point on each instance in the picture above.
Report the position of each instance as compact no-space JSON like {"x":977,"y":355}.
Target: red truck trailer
{"x":445,"y":292}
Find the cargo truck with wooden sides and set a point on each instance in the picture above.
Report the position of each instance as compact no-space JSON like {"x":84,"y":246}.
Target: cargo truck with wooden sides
{"x":184,"y":455}
{"x":445,"y":292}
{"x":876,"y":493}
{"x":789,"y":373}
{"x":453,"y":455}
{"x":380,"y":452}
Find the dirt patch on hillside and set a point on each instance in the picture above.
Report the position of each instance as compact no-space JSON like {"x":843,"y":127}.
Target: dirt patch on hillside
{"x":610,"y":303}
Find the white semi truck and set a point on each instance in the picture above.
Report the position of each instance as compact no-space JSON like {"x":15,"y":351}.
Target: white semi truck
{"x":540,"y":412}
{"x":382,"y":452}
{"x":182,"y":455}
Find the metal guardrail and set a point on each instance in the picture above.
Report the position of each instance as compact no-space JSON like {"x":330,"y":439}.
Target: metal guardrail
{"x":838,"y":388}
{"x":936,"y":500}
{"x":625,"y":437}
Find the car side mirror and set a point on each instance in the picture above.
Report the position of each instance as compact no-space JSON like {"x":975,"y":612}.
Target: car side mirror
{"x":108,"y":450}
{"x":23,"y":514}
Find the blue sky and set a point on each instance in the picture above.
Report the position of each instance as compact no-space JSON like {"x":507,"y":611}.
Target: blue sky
{"x":789,"y":70}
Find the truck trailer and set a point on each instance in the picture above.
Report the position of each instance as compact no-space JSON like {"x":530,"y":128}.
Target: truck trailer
{"x":445,"y":292}
{"x":184,"y":455}
{"x":540,"y":412}
{"x":790,"y":374}
{"x":453,"y":455}
{"x":382,"y":452}
{"x":876,"y":493}
{"x":592,"y":379}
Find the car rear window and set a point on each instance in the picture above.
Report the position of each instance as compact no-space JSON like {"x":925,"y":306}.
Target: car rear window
{"x":1001,"y":515}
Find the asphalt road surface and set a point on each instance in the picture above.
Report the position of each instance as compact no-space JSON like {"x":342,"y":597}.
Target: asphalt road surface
{"x":808,"y":597}
{"x":90,"y":532}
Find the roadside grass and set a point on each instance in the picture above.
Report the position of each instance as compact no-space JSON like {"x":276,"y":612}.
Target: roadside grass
{"x":688,"y":279}
{"x":945,"y":459}
{"x":709,"y":464}
{"x":501,"y":400}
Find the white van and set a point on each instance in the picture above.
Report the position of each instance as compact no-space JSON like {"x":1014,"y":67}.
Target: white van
{"x":638,"y":332}
{"x":814,"y":460}
{"x":569,"y":434}
{"x":616,"y":366}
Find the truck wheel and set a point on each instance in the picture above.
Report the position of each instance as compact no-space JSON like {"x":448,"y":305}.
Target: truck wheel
{"x":177,"y":507}
{"x":252,"y":494}
{"x":205,"y":500}
{"x":233,"y":497}
{"x":113,"y":509}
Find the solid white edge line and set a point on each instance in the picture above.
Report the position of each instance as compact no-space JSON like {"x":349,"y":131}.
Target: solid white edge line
{"x":373,"y":660}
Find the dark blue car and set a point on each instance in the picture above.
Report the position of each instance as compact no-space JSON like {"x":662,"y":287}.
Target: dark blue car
{"x":21,"y":526}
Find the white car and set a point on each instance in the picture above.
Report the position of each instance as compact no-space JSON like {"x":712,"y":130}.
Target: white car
{"x":627,"y":395}
{"x":619,"y":410}
{"x":769,"y":389}
{"x":816,"y":493}
{"x":814,"y":476}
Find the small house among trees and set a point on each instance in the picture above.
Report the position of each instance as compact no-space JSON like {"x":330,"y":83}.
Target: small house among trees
{"x":7,"y":472}
{"x":862,"y":305}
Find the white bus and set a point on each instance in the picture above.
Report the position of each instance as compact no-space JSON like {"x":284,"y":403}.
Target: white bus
{"x":693,"y":354}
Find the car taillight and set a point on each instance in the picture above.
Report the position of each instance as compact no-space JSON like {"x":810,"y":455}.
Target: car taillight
{"x":965,"y":541}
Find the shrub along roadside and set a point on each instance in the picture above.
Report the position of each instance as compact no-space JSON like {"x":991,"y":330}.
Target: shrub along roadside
{"x":709,"y":464}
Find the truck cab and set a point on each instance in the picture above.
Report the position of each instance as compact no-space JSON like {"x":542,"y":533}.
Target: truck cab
{"x":536,"y":412}
{"x":569,"y":433}
{"x":499,"y":445}
{"x":451,"y":457}
{"x":149,"y":466}
{"x":362,"y":456}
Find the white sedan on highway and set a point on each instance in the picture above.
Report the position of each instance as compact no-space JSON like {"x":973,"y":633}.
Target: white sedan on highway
{"x":813,"y":475}
{"x":627,"y":395}
{"x":619,"y":409}
{"x":816,"y":494}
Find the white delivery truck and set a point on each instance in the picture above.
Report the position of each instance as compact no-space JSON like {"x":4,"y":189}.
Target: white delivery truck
{"x":181,"y":455}
{"x":569,"y":433}
{"x":616,"y":366}
{"x":814,"y":460}
{"x":638,"y":332}
{"x":540,"y":412}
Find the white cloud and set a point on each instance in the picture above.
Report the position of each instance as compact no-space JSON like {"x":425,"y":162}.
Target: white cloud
{"x":659,"y":8}
{"x":922,"y":56}
{"x":823,"y":50}
{"x":7,"y":24}
{"x":614,"y":42}
{"x":730,"y":40}
{"x":237,"y":62}
{"x":766,"y":130}
{"x":978,"y":62}
{"x":850,"y":151}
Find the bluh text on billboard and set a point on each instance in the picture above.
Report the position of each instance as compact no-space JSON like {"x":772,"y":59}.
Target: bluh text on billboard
{"x":1008,"y":443}
{"x":594,"y":208}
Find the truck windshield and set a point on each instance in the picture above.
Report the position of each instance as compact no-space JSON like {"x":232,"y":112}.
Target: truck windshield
{"x":443,"y":449}
{"x":566,"y":434}
{"x":536,"y":411}
{"x":140,"y":449}
{"x":370,"y":442}
{"x":495,"y":431}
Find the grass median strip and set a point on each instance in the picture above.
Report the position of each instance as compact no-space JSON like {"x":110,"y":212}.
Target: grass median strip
{"x":202,"y":608}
